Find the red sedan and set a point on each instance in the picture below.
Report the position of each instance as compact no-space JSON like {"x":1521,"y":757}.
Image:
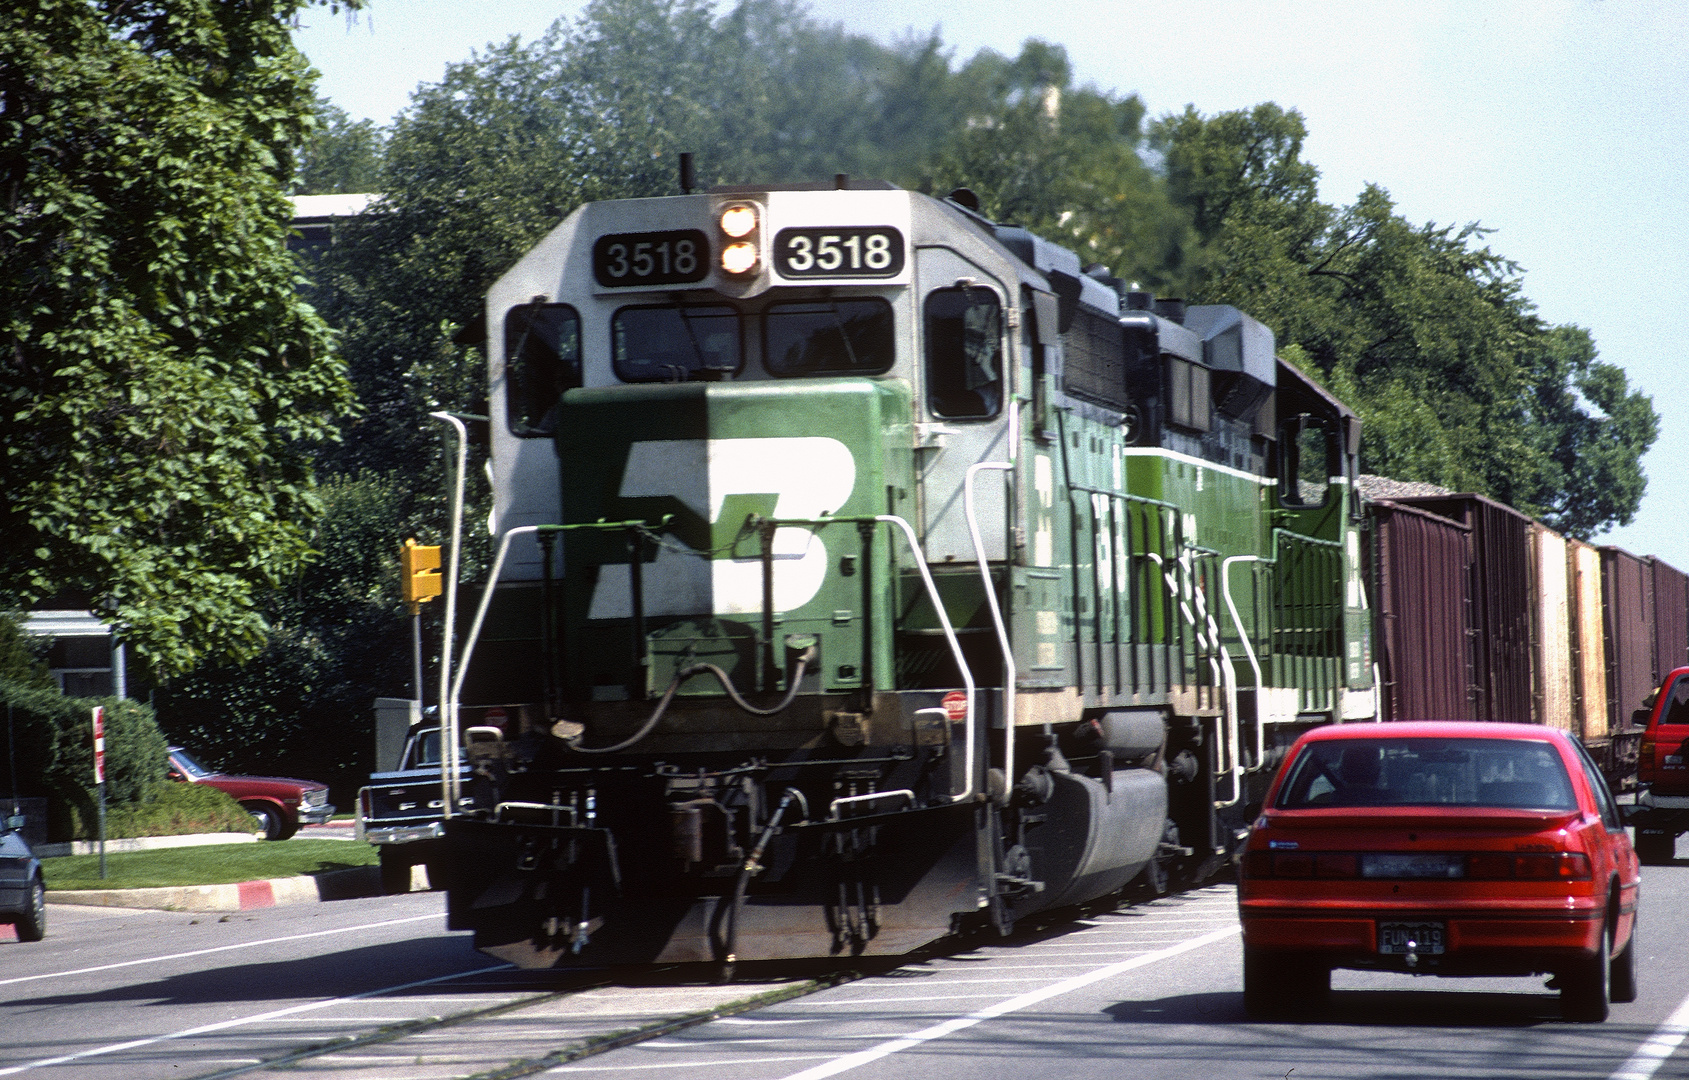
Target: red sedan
{"x":1439,"y":849}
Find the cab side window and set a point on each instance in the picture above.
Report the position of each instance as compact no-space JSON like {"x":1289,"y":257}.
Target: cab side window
{"x":1304,"y":462}
{"x":964,"y":331}
{"x":542,"y":358}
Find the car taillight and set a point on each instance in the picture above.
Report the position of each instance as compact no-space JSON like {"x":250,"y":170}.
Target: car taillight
{"x":1327,"y":865}
{"x":1559,"y":866}
{"x":1645,"y":760}
{"x":366,"y":804}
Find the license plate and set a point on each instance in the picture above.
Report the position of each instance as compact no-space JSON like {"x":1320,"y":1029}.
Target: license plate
{"x":1397,"y":938}
{"x":1380,"y":864}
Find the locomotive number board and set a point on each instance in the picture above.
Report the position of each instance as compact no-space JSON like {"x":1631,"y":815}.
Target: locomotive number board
{"x":679,"y":257}
{"x":874,"y":251}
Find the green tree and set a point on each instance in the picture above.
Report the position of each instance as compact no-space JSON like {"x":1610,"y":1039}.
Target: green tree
{"x":163,"y":382}
{"x":1062,"y":161}
{"x":336,"y":643}
{"x":342,"y":156}
{"x":1425,"y":330}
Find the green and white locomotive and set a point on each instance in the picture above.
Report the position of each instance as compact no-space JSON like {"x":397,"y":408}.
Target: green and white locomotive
{"x":869,"y":571}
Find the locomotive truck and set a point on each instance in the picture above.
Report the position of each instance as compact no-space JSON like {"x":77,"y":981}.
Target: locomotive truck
{"x":867,"y":571}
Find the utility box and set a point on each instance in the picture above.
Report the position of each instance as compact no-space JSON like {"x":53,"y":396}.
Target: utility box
{"x":394,"y":719}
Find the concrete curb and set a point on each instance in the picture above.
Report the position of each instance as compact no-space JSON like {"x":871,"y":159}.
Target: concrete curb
{"x":349,"y":884}
{"x":140,"y":843}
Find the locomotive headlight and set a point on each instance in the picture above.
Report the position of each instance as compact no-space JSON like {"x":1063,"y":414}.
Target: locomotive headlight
{"x":739,"y":258}
{"x":738,"y":221}
{"x":741,"y":235}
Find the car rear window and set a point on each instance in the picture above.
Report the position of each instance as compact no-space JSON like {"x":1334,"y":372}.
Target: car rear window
{"x":1503,"y":773}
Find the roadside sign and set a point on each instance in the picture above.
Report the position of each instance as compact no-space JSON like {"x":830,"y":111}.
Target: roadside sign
{"x":99,"y":744}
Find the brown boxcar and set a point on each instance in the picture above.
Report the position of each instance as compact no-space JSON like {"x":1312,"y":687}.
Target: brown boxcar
{"x":1627,"y":588}
{"x":1589,"y":642}
{"x":1671,"y":618}
{"x":1501,"y":602}
{"x":1422,"y":582}
{"x":1552,"y":659}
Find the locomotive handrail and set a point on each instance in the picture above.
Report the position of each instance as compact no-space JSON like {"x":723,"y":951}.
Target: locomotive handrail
{"x":1324,"y":668}
{"x":914,"y":543}
{"x":1248,"y":650}
{"x":450,"y":784}
{"x":1231,"y":742}
{"x":493,"y":573}
{"x":1010,"y":675}
{"x":833,"y":807}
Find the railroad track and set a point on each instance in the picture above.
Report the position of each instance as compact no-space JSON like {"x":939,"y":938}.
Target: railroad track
{"x":614,"y":996}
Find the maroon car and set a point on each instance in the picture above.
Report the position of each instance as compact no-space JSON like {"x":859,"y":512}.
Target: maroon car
{"x":278,"y":805}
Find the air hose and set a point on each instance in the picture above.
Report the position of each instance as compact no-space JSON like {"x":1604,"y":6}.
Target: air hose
{"x":753,"y":865}
{"x":726,"y":681}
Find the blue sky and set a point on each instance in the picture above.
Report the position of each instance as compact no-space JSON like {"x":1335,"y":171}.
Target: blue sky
{"x":1560,"y":124}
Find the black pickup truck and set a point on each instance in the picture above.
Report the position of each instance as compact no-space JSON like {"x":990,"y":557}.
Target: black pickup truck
{"x":400,"y":812}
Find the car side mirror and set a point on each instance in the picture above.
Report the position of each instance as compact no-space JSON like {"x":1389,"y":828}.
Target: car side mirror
{"x":1639,"y":718}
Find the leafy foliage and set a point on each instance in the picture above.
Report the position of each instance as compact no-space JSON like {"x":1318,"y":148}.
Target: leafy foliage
{"x":54,"y":744}
{"x":1424,"y":331}
{"x":336,"y":643}
{"x":1423,"y":328}
{"x":162,"y":380}
{"x":342,"y":156}
{"x":21,"y":655}
{"x":170,"y":808}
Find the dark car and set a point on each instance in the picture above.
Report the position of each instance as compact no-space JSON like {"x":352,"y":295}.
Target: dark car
{"x":278,"y":805}
{"x":1439,"y":849}
{"x":23,"y":892}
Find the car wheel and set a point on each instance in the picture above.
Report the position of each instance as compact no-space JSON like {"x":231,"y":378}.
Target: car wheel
{"x":1622,"y":975}
{"x":1584,"y":989}
{"x":266,"y":820}
{"x":1654,"y":847}
{"x":395,"y":874}
{"x":1278,"y":987}
{"x":32,"y":924}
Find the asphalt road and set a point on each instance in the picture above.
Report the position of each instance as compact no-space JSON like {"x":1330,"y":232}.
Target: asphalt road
{"x":1150,"y":991}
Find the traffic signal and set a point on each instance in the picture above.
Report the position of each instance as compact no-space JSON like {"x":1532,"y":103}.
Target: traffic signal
{"x":419,"y":572}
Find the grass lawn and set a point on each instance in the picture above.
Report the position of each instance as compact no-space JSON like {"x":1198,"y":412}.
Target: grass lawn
{"x":218,"y":864}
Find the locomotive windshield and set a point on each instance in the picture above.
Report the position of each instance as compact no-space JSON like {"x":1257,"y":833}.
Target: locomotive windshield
{"x":673,"y":344}
{"x":851,"y":336}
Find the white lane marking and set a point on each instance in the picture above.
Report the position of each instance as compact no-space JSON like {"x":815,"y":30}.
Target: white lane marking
{"x":1003,"y":1008}
{"x":224,"y":1025}
{"x":759,"y":1060}
{"x":889,"y":1000}
{"x":1661,"y":1045}
{"x":224,"y":948}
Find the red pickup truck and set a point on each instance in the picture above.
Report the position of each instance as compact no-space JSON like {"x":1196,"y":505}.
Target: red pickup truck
{"x":1662,"y":797}
{"x":278,"y":805}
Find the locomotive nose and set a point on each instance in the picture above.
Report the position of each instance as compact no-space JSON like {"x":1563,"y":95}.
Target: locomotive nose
{"x":738,"y":484}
